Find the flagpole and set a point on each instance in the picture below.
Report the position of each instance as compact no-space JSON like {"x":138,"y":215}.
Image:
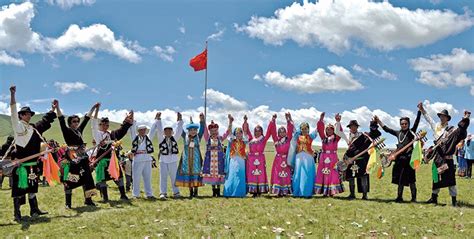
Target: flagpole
{"x":205,"y":89}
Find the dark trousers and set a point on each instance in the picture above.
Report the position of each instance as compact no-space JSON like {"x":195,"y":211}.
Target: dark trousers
{"x":469,"y":168}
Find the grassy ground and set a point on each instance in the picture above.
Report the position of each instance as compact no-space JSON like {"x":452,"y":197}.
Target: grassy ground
{"x":246,"y":218}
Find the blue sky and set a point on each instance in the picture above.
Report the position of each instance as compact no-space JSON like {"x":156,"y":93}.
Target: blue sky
{"x":237,"y":53}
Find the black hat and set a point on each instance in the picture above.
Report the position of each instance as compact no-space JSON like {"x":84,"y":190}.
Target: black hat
{"x":26,"y":109}
{"x":353,"y":122}
{"x":445,"y":113}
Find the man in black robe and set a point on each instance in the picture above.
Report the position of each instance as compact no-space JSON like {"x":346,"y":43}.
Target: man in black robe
{"x":75,"y":164}
{"x":403,"y":174}
{"x":28,"y":139}
{"x":358,"y":142}
{"x":442,"y":153}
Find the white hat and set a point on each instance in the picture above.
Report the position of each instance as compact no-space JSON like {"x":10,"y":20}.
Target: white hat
{"x":140,"y":127}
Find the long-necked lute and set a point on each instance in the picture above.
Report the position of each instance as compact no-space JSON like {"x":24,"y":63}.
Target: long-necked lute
{"x":346,"y":161}
{"x":388,"y":159}
{"x":7,"y":165}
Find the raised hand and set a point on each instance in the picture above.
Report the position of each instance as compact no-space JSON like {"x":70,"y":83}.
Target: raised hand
{"x":201,"y":116}
{"x":420,"y":107}
{"x":13,"y":89}
{"x":54,"y":105}
{"x":274,"y":116}
{"x":158,"y":116}
{"x":321,"y":117}
{"x":467,"y":114}
{"x":180,"y":117}
{"x":231,"y":119}
{"x":338,"y":117}
{"x":245,"y":118}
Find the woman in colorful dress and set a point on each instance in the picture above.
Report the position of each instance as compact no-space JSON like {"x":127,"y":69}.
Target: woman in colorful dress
{"x":235,"y":182}
{"x":300,"y":158}
{"x":214,"y":161}
{"x":257,"y":182}
{"x":328,"y":182}
{"x":281,"y":173}
{"x":189,"y":168}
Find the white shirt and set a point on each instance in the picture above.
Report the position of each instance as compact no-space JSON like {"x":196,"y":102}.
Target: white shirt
{"x":170,"y":158}
{"x":142,"y":142}
{"x":22,"y":131}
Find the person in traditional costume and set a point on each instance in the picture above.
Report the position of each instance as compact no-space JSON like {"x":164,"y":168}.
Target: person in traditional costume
{"x":167,"y":138}
{"x":281,"y":172}
{"x":328,"y":182}
{"x":214,"y":160}
{"x":257,"y":182}
{"x":300,"y":158}
{"x":462,"y":164}
{"x":28,"y":139}
{"x":4,"y":154}
{"x":469,"y":154}
{"x":75,"y":167}
{"x":106,"y":152}
{"x":358,"y":142}
{"x":127,"y":160}
{"x":142,"y":148}
{"x":403,"y":174}
{"x":446,"y":139}
{"x":235,"y":178}
{"x":190,"y":164}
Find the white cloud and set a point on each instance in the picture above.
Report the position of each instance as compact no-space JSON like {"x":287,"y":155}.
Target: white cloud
{"x":442,"y":71}
{"x":227,"y":102}
{"x":384,"y":74}
{"x":4,"y":108}
{"x":435,"y":2}
{"x":9,"y":60}
{"x":165,"y":53}
{"x":217,"y":36}
{"x":189,"y":97}
{"x":15,"y":28}
{"x":68,"y":4}
{"x":96,"y":37}
{"x":182,"y":29}
{"x":85,"y":55}
{"x":336,"y":79}
{"x":339,"y":25}
{"x":68,"y":87}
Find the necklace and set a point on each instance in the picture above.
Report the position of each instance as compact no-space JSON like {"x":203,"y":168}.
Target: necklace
{"x":404,"y":137}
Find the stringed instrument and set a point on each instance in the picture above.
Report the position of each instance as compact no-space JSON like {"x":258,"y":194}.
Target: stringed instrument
{"x":387,"y":159}
{"x":346,"y":161}
{"x":7,"y":165}
{"x":96,"y":160}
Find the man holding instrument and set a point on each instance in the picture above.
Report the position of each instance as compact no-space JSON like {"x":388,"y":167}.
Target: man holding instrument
{"x":105,"y":150}
{"x":403,"y":174}
{"x":357,"y":143}
{"x":75,"y":164}
{"x":28,"y":139}
{"x":445,"y":140}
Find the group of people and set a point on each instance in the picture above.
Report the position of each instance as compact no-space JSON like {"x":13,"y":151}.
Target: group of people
{"x":239,"y":166}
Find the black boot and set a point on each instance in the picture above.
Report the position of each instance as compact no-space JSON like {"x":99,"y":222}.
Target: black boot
{"x":365,"y":187}
{"x":454,"y":201}
{"x":196,"y":192}
{"x":104,"y":194}
{"x":123,"y":195}
{"x":433,"y":199}
{"x":34,"y":210}
{"x":399,"y":194}
{"x":214,"y":193}
{"x":191,"y":193}
{"x":218,"y":191}
{"x":89,"y":202}
{"x":352,"y":190}
{"x":68,"y":201}
{"x":17,"y":212}
{"x":413,"y":192}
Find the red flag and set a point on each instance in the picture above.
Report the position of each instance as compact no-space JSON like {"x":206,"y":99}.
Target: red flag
{"x":199,"y":62}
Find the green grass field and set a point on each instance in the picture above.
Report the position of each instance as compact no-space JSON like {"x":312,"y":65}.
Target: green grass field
{"x":263,"y":217}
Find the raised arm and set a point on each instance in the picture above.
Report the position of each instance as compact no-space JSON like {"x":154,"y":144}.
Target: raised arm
{"x":246,"y":128}
{"x":384,"y":127}
{"x":427,"y":117}
{"x":17,"y":127}
{"x":270,"y":128}
{"x":229,"y":127}
{"x":417,"y":121}
{"x":202,"y":126}
{"x":122,"y":131}
{"x":48,"y":118}
{"x":133,"y":130}
{"x":374,"y":130}
{"x":87,"y":117}
{"x":290,"y":127}
{"x":320,"y":126}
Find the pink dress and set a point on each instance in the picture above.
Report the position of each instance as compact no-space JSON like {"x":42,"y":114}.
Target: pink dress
{"x":257,"y":181}
{"x":328,"y":182}
{"x":281,"y":173}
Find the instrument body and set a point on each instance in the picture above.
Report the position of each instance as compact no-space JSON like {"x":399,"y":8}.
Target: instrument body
{"x":388,"y":158}
{"x":343,"y":165}
{"x":7,"y":165}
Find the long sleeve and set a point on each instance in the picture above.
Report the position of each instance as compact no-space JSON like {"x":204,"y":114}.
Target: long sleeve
{"x":120,"y":132}
{"x":374,"y":130}
{"x":179,"y":129}
{"x":206,"y":133}
{"x":338,"y":131}
{"x":64,"y":129}
{"x":159,"y":130}
{"x":84,"y":123}
{"x":430,"y":121}
{"x":389,"y":130}
{"x":227,"y":132}
{"x":45,"y":123}
{"x":17,"y":127}
{"x":320,"y":129}
{"x":153,"y":130}
{"x":417,"y":121}
{"x":95,"y":131}
{"x":133,"y":130}
{"x":274,"y":134}
{"x":202,"y":126}
{"x":246,"y":128}
{"x":290,"y":127}
{"x":270,"y":127}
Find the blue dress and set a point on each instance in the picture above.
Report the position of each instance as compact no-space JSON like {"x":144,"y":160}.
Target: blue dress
{"x":304,"y":169}
{"x":235,"y":184}
{"x":189,"y":168}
